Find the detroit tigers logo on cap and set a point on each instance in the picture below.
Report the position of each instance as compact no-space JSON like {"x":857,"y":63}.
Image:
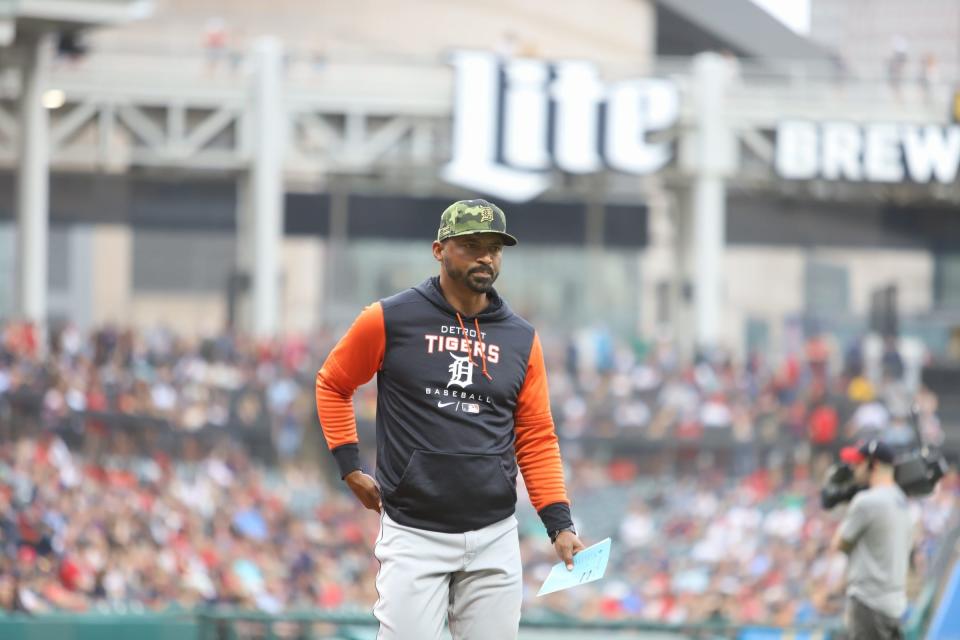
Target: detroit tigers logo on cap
{"x":466,"y":217}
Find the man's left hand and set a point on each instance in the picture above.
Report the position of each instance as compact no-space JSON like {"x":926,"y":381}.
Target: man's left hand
{"x":567,"y":546}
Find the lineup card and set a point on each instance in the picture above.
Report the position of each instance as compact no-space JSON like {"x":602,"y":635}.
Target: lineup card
{"x":588,"y":565}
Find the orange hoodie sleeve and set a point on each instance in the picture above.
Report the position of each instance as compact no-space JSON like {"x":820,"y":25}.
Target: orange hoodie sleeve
{"x":538,"y":451}
{"x":353,"y":361}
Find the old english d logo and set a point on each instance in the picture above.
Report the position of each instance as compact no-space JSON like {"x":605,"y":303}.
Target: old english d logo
{"x":514,"y":121}
{"x":461,"y":372}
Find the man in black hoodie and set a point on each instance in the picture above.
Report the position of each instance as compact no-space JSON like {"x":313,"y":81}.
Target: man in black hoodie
{"x":462,"y":400}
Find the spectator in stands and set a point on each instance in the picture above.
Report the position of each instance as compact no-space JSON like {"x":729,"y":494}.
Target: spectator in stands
{"x":823,"y":426}
{"x":897,"y":64}
{"x":215,"y":42}
{"x":929,"y":76}
{"x":892,"y":361}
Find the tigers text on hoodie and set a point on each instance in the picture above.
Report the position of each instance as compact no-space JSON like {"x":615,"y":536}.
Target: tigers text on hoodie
{"x":461,"y":401}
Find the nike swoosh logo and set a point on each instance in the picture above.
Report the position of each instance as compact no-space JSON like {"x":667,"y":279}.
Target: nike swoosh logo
{"x":445,"y":404}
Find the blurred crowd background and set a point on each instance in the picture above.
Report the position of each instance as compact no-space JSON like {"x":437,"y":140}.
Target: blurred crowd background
{"x":145,"y":471}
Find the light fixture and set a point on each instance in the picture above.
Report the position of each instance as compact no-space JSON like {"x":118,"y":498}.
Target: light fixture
{"x":53,"y":98}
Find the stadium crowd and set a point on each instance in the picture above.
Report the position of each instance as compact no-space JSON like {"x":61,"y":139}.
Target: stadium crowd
{"x":815,"y":395}
{"x":95,"y":514}
{"x":600,"y":389}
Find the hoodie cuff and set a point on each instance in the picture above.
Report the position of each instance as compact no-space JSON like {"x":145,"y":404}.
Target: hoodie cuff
{"x":347,"y":457}
{"x":556,"y":516}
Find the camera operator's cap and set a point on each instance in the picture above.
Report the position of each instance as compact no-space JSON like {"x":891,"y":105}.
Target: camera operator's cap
{"x":878,"y":450}
{"x":467,"y":217}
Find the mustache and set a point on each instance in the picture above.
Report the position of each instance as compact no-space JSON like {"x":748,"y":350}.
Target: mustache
{"x":486,"y":270}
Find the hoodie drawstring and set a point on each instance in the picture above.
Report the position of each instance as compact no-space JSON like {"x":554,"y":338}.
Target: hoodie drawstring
{"x":483,"y":350}
{"x":483,"y":357}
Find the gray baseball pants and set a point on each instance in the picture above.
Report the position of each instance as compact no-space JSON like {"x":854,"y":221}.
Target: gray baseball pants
{"x":471,"y":580}
{"x":864,"y":623}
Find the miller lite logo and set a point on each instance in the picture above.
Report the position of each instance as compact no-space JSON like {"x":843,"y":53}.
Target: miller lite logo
{"x":514,"y":120}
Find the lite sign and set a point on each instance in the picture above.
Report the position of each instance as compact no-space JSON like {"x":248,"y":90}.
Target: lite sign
{"x":867,"y":153}
{"x":516,"y":120}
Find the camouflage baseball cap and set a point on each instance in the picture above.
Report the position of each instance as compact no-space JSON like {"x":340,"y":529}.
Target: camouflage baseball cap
{"x":466,"y":217}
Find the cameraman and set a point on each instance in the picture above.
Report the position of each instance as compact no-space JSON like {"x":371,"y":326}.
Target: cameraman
{"x":876,"y":535}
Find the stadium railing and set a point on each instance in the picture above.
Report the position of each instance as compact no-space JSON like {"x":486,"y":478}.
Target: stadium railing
{"x":245,"y":625}
{"x":353,"y":625}
{"x":232,"y":626}
{"x":100,"y":626}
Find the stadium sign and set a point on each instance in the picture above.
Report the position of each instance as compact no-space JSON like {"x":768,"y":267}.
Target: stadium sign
{"x":879,"y":152}
{"x":515,"y":120}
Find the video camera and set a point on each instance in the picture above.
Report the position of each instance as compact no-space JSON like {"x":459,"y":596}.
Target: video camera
{"x":919,"y":472}
{"x":839,"y":486}
{"x":916,"y":472}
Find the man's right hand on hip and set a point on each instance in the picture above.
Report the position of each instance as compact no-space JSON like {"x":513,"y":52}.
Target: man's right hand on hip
{"x":366,"y":489}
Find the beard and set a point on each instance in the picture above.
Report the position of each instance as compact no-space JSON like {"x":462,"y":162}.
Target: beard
{"x":470,"y":279}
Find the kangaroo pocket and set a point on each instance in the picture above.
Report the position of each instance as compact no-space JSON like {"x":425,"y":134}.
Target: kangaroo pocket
{"x":452,"y":492}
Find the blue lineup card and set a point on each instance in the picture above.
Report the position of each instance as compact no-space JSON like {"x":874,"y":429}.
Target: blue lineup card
{"x":588,"y":565}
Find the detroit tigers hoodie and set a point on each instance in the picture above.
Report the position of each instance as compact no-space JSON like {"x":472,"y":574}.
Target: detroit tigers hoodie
{"x":461,"y":401}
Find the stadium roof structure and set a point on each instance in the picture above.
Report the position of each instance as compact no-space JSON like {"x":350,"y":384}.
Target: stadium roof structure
{"x":60,"y":15}
{"x":687,"y":27}
{"x":28,"y":29}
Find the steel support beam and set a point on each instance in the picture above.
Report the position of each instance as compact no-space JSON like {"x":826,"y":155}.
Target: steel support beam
{"x":263,"y":229}
{"x":710,"y":153}
{"x":33,"y":180}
